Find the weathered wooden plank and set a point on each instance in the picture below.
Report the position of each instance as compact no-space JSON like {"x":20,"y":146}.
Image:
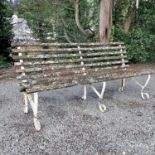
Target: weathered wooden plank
{"x":109,"y":77}
{"x":48,"y":75}
{"x":68,"y":61}
{"x":66,"y":44}
{"x":62,"y":72}
{"x":39,"y":88}
{"x":68,"y":77}
{"x":103,"y":77}
{"x":52,"y":80}
{"x":112,"y":74}
{"x":67,"y":49}
{"x":75,"y":55}
{"x":54,"y":67}
{"x":133,"y":69}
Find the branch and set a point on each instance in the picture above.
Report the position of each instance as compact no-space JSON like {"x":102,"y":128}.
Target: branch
{"x":130,"y":18}
{"x":65,"y":31}
{"x":66,"y":36}
{"x":77,"y":18}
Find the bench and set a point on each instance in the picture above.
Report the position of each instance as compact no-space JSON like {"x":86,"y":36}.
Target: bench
{"x":46,"y":66}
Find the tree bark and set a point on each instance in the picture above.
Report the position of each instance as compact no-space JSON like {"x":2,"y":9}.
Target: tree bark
{"x":40,"y":20}
{"x":130,"y":16}
{"x":105,"y":23}
{"x":129,"y":20}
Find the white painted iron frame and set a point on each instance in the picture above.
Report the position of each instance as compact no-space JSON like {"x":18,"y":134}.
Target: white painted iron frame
{"x":144,"y":95}
{"x":102,"y":106}
{"x":33,"y":101}
{"x":99,"y":94}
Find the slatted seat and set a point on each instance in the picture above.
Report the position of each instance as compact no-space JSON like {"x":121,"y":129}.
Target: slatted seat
{"x":46,"y":66}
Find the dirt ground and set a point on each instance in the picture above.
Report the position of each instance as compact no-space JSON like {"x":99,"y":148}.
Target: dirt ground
{"x":71,"y":126}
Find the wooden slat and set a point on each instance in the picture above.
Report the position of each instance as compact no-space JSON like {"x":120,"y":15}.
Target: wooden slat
{"x":49,"y":86}
{"x":133,"y":70}
{"x":47,"y":74}
{"x":66,"y":61}
{"x":102,"y":64}
{"x":60,"y":79}
{"x":87,"y":81}
{"x":106,"y":76}
{"x":66,"y":49}
{"x":48,"y":56}
{"x":68,"y":77}
{"x":66,"y":44}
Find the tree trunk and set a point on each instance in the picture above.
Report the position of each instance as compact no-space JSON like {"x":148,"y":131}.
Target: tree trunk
{"x":40,"y":27}
{"x":77,"y":19}
{"x":130,"y":16}
{"x":129,"y":20}
{"x":105,"y":20}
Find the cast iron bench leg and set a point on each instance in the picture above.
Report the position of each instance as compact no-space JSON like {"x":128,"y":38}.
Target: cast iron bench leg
{"x":100,"y":95}
{"x":143,"y":94}
{"x":34,"y":105}
{"x":25,"y":103}
{"x":84,"y":97}
{"x":102,"y":107}
{"x":121,"y":89}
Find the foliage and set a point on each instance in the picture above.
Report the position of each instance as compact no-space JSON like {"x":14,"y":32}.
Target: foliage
{"x":5,"y":14}
{"x":5,"y":30}
{"x":55,"y":20}
{"x":140,"y":38}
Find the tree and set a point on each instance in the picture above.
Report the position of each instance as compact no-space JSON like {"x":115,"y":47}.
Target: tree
{"x":136,"y":28}
{"x":5,"y":27}
{"x":65,"y":21}
{"x":105,"y":20}
{"x":93,"y":20}
{"x":5,"y":14}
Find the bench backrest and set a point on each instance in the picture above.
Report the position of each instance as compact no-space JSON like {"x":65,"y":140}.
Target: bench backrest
{"x":44,"y":66}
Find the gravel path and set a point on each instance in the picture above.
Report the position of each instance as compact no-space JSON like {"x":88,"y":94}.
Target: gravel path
{"x":71,"y":126}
